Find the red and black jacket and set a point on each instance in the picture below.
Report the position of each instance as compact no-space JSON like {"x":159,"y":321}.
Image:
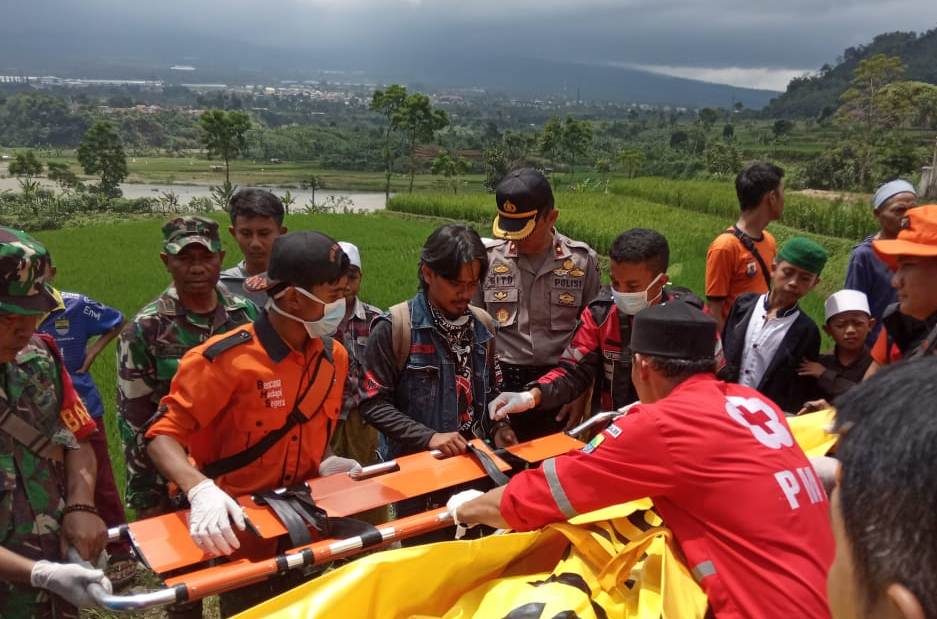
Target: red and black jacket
{"x":600,"y":352}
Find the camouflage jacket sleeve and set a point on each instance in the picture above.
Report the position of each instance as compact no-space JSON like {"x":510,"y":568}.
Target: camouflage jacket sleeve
{"x":137,"y":402}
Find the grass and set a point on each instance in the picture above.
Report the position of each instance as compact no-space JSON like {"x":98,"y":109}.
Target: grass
{"x":838,"y":218}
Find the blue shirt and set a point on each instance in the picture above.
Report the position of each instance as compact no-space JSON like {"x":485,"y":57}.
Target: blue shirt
{"x":72,"y":326}
{"x":867,"y":273}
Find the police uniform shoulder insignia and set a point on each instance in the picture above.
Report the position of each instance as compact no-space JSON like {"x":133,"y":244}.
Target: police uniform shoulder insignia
{"x":226,"y":343}
{"x":569,"y":265}
{"x":567,"y":299}
{"x":502,"y":315}
{"x":500,"y":295}
{"x":501,"y":268}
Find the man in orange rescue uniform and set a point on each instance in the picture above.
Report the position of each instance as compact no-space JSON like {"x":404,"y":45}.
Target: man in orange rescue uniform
{"x":255,"y":407}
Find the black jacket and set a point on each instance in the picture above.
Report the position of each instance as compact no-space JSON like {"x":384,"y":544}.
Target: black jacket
{"x":600,"y":351}
{"x":780,"y":381}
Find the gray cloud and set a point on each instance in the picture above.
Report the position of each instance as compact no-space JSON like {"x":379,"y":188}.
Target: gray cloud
{"x":757,"y":35}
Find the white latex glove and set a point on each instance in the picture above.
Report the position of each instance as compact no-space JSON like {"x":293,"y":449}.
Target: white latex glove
{"x":826,"y":469}
{"x":210,"y":518}
{"x":510,"y":402}
{"x":335,"y":464}
{"x":69,"y":581}
{"x":453,"y":504}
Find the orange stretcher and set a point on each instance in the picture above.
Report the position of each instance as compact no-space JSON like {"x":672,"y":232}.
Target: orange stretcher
{"x":164,"y":545}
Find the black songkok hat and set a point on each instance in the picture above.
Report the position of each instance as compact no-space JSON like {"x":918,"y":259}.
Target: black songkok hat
{"x":675,"y":330}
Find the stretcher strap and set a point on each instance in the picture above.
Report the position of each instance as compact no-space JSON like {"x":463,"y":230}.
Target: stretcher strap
{"x":298,"y":512}
{"x":489,"y":465}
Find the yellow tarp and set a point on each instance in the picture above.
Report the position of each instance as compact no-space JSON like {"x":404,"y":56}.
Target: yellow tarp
{"x":615,"y":562}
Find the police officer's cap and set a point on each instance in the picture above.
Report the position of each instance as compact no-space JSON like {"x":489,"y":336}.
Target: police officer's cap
{"x":675,"y":330}
{"x":522,"y":195}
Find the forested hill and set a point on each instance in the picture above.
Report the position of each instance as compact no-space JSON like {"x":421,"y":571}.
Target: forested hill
{"x":817,"y":95}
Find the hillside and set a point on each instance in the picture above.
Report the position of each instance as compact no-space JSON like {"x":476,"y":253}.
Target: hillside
{"x":122,"y":57}
{"x":808,"y":97}
{"x":530,"y":77}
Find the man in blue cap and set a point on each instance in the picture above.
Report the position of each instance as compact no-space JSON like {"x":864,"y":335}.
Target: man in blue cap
{"x":866,"y":272}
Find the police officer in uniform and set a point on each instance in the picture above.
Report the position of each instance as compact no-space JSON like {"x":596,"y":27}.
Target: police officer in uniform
{"x":538,"y":283}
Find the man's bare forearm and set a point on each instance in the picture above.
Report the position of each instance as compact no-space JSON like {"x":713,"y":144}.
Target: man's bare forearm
{"x":486,"y":509}
{"x":98,"y":345}
{"x":81,"y":469}
{"x":716,"y":308}
{"x":14,"y":567}
{"x":171,"y":460}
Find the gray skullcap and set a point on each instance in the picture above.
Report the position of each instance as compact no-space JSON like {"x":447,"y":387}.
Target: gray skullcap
{"x":889,"y":190}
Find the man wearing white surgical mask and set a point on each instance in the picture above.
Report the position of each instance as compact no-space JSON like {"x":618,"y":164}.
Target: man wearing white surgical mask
{"x":255,"y":408}
{"x":599,"y":350}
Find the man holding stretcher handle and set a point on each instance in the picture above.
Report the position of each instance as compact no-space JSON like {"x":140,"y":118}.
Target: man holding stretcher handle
{"x":278,"y":383}
{"x":719,"y":462}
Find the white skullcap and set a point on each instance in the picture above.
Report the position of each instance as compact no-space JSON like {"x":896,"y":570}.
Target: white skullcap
{"x":846,"y":301}
{"x":354,"y":256}
{"x":890,"y":190}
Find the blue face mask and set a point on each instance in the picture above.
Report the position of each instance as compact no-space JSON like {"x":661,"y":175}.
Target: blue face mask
{"x":326,"y":326}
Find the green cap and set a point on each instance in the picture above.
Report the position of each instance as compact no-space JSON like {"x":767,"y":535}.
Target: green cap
{"x":25,"y":266}
{"x":804,"y":254}
{"x":182,"y":231}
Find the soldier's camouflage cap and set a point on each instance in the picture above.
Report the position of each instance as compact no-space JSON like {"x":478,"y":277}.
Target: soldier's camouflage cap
{"x":25,"y":267}
{"x":180,"y":232}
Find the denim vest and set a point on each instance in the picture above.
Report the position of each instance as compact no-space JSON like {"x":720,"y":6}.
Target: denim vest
{"x":426,"y":389}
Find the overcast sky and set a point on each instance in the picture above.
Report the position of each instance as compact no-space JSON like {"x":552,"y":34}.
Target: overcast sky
{"x":759,"y":43}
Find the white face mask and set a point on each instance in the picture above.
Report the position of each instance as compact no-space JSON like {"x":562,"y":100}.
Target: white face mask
{"x":332,"y":315}
{"x":633,"y":302}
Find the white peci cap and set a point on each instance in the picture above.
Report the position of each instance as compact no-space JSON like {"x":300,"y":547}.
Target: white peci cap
{"x":889,"y":190}
{"x":846,"y":301}
{"x":354,"y":256}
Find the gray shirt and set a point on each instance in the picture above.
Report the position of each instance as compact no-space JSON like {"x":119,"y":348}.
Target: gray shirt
{"x":537,"y":302}
{"x":233,"y":280}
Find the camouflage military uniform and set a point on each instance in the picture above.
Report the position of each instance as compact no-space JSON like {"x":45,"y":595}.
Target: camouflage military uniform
{"x":34,"y":387}
{"x":353,"y":437}
{"x":148,"y":354}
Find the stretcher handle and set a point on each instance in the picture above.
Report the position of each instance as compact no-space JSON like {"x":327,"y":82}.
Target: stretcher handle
{"x":390,"y":466}
{"x":232,"y":576}
{"x":600,"y":418}
{"x":123,"y":603}
{"x":135,"y":601}
{"x":116,"y":534}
